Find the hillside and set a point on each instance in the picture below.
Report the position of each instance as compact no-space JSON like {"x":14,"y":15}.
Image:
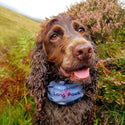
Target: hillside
{"x":12,"y":23}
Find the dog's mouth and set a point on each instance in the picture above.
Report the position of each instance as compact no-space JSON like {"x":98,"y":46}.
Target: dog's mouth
{"x":79,"y":75}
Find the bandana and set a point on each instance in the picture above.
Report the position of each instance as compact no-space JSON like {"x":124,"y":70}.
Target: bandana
{"x":64,"y":93}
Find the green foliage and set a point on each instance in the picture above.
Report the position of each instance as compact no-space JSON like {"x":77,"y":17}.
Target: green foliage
{"x":18,"y":55}
{"x":112,"y":88}
{"x":18,"y":114}
{"x":109,"y":49}
{"x":111,"y":92}
{"x":19,"y":107}
{"x":21,"y":50}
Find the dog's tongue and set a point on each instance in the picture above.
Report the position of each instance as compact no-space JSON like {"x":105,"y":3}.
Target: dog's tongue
{"x":82,"y":74}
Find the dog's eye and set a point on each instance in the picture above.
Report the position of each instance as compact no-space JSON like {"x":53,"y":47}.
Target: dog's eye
{"x":54,"y":38}
{"x":78,"y":27}
{"x":81,"y":30}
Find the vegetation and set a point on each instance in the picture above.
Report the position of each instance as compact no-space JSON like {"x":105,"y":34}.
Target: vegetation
{"x":12,"y":24}
{"x":16,"y":42}
{"x":106,"y":22}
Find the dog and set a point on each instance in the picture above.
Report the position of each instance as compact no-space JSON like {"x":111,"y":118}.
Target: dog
{"x":64,"y":55}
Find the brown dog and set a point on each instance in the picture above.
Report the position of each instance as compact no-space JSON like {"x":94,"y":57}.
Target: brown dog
{"x":64,"y":51}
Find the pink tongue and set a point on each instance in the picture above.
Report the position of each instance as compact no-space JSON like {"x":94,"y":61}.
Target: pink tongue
{"x":82,"y":74}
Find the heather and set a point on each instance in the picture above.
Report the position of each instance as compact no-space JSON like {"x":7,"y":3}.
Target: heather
{"x":105,"y":20}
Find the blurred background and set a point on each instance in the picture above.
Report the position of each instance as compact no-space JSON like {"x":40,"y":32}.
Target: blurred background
{"x":38,"y":9}
{"x":20,"y":22}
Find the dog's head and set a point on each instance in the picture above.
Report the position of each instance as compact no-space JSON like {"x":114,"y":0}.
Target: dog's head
{"x":68,"y":45}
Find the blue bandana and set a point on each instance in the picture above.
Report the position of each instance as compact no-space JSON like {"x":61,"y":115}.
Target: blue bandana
{"x":64,"y":93}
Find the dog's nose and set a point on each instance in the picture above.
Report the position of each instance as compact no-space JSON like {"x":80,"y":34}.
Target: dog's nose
{"x":83,"y":51}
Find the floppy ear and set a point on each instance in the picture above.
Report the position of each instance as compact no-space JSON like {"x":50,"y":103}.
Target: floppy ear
{"x":37,"y":79}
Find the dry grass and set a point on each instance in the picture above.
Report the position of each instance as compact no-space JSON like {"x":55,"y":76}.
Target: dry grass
{"x":11,"y":24}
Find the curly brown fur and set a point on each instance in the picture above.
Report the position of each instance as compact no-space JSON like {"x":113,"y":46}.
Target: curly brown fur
{"x":47,"y":58}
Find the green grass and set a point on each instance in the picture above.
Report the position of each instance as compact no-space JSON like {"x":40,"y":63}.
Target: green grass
{"x":11,"y":24}
{"x":112,"y":49}
{"x":18,"y":114}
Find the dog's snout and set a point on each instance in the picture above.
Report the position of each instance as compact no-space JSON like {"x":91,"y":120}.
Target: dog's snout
{"x":83,"y":51}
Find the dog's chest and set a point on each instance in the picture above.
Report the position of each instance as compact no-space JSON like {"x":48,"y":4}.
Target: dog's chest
{"x":67,"y":115}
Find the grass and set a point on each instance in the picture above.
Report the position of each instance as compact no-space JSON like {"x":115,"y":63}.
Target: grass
{"x":17,"y":42}
{"x":18,"y":114}
{"x":16,"y":106}
{"x":11,"y":24}
{"x":113,"y":49}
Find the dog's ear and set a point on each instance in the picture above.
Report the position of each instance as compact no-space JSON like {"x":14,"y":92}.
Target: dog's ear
{"x":36,"y":80}
{"x":42,"y":34}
